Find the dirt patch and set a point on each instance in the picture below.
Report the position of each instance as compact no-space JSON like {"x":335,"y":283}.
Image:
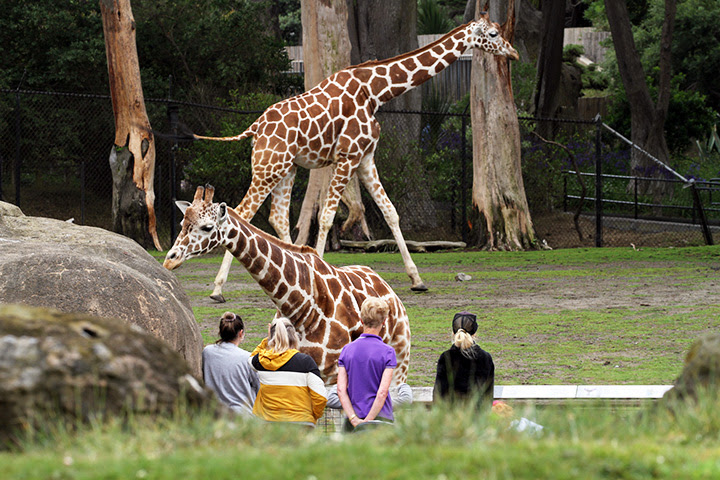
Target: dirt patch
{"x":629,"y":330}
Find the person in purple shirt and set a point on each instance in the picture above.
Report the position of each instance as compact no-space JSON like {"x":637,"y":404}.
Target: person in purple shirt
{"x":365,"y":369}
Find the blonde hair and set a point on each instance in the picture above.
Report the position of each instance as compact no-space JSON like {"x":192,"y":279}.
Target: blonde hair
{"x":374,"y":311}
{"x":283,"y":336}
{"x":464,"y":341}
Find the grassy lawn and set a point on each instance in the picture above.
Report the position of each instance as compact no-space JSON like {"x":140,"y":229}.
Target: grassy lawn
{"x":571,"y":316}
{"x":596,"y":316}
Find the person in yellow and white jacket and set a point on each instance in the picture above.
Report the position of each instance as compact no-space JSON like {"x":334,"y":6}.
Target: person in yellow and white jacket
{"x":291,"y":389}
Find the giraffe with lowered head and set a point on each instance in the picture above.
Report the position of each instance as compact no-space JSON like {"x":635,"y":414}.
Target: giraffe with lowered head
{"x":321,"y":300}
{"x":334,"y":124}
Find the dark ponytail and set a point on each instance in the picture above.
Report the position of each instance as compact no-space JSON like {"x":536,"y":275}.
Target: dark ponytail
{"x":230,"y":326}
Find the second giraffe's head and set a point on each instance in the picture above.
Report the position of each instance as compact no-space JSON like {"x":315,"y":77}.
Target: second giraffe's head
{"x":201,"y":228}
{"x":485,"y":35}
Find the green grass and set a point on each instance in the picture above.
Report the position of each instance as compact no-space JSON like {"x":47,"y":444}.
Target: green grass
{"x":591,"y":441}
{"x":643,"y":343}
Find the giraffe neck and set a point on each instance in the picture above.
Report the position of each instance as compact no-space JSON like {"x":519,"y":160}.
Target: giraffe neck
{"x":271,"y":262}
{"x":392,"y":77}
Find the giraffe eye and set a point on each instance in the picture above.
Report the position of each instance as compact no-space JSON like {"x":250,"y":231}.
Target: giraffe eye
{"x":493,"y":33}
{"x":206,"y":228}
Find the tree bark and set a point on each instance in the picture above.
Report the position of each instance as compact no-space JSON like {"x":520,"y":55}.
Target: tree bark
{"x":381,"y":29}
{"x":326,"y":49}
{"x":502,"y":219}
{"x":647,"y":120}
{"x":132,"y":160}
{"x":546,"y":101}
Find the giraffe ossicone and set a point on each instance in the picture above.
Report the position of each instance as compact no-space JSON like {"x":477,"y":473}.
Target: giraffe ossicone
{"x":322,"y":301}
{"x":333,"y":124}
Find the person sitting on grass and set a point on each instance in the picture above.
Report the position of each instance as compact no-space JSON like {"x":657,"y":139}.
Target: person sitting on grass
{"x":291,"y":389}
{"x":226,"y":369}
{"x":465,"y":371}
{"x":365,"y":370}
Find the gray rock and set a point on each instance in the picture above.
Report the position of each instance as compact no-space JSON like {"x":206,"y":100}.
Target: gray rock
{"x":51,"y":263}
{"x":700,"y":372}
{"x":71,"y":367}
{"x":462,"y":277}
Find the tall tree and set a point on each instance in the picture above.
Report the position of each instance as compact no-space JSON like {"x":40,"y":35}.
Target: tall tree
{"x":326,"y":49}
{"x":379,"y":30}
{"x":647,"y":117}
{"x":132,"y":158}
{"x":546,"y":101}
{"x":502,"y":219}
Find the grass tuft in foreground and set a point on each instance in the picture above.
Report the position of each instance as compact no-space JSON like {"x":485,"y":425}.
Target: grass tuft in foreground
{"x":579,"y":440}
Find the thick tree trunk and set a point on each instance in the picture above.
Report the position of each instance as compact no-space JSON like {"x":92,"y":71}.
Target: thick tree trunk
{"x":326,"y":49}
{"x":381,"y":29}
{"x":133,"y":157}
{"x":647,"y":119}
{"x":549,"y":65}
{"x":502,"y":220}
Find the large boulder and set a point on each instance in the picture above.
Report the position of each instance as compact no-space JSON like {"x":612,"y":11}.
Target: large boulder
{"x":701,"y":371}
{"x":69,"y":367}
{"x":51,"y":263}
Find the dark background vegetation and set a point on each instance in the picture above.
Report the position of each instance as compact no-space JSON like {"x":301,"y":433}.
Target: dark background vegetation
{"x":221,"y":62}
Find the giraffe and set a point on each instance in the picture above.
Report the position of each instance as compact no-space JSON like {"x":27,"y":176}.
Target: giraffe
{"x":321,"y":300}
{"x":334,"y":124}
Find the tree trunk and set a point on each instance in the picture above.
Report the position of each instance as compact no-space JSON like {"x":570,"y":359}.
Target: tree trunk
{"x":326,"y":49}
{"x":381,"y":29}
{"x":502,"y":220}
{"x":546,"y":100}
{"x":132,"y":159}
{"x":647,"y":120}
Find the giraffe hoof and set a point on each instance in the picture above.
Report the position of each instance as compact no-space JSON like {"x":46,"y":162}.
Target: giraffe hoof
{"x":419,"y":288}
{"x":218,"y":297}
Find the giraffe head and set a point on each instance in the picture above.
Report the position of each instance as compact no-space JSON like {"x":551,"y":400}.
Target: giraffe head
{"x":201,"y":228}
{"x":485,"y":35}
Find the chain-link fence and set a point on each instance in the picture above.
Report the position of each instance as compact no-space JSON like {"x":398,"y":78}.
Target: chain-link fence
{"x":54,"y":151}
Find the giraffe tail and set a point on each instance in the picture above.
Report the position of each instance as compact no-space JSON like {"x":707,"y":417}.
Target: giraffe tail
{"x":184,"y":134}
{"x":249,"y":132}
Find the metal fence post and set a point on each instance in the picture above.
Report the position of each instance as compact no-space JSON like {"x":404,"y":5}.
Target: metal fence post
{"x":701,"y":214}
{"x":1,"y":177}
{"x":463,"y":183}
{"x":82,"y":192}
{"x":635,"y":196}
{"x":18,"y":136}
{"x":173,"y":120}
{"x":598,"y":182}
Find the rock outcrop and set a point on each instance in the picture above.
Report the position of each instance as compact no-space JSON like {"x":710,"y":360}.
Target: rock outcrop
{"x":51,"y":263}
{"x":700,"y":372}
{"x":69,"y":367}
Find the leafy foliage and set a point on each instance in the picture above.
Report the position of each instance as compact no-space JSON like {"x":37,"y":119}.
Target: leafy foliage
{"x":696,"y":63}
{"x":226,"y":165}
{"x":208,"y":49}
{"x":432,"y":18}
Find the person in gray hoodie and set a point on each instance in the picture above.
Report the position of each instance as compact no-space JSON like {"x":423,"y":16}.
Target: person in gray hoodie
{"x":226,"y":367}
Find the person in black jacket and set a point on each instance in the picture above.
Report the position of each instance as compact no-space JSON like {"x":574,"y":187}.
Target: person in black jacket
{"x":465,"y":371}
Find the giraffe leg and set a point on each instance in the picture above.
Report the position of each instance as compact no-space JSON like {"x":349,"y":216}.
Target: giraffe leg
{"x":369,"y":176}
{"x":341,"y":177}
{"x":280,"y":208}
{"x":262,"y":184}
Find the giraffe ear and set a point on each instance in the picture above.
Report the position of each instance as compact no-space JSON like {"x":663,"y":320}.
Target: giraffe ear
{"x":182,"y":205}
{"x":222,"y":213}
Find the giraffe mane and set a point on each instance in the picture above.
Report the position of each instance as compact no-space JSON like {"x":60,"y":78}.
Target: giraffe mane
{"x":429,"y":46}
{"x":305,"y":249}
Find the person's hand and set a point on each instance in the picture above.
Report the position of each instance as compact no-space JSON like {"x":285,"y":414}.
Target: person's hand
{"x":355,"y":420}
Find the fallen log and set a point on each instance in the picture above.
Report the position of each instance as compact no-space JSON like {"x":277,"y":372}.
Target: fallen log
{"x":390,"y":245}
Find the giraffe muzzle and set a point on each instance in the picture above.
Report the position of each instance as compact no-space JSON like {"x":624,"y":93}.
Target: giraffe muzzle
{"x":173,"y":260}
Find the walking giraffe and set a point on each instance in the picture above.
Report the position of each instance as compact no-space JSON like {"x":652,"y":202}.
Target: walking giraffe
{"x":321,"y":300}
{"x":334,"y":124}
